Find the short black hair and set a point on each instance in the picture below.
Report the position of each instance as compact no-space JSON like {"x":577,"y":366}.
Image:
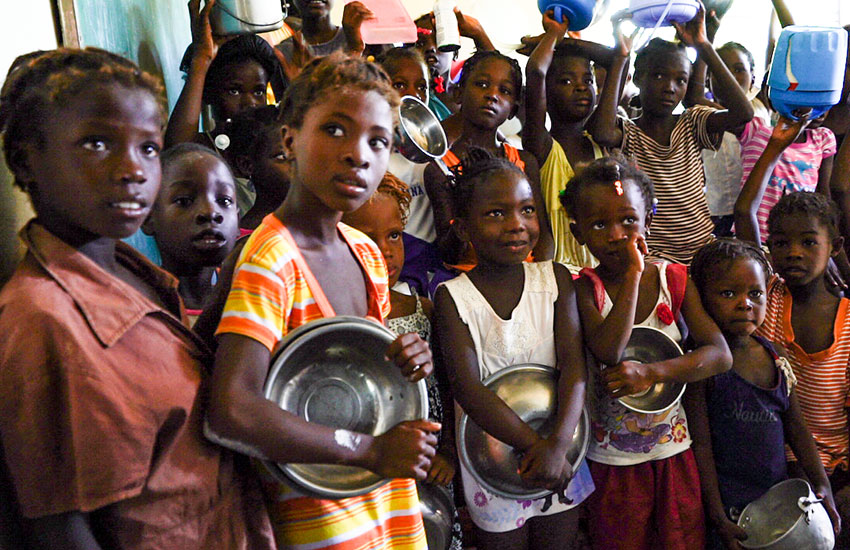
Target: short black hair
{"x":390,"y":58}
{"x":814,"y":205}
{"x":711,"y":261}
{"x":476,"y":165}
{"x":605,"y":171}
{"x":173,"y":154}
{"x":655,"y":49}
{"x":732,"y":46}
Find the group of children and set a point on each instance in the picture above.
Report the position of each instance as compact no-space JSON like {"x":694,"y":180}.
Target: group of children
{"x":132,"y":412}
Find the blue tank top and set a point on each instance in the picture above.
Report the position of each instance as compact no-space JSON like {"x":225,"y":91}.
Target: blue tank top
{"x":747,"y":434}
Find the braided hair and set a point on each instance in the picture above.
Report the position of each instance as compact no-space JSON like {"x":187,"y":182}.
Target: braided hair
{"x":652,"y":52}
{"x":606,"y":171}
{"x":476,"y":165}
{"x":396,"y":190}
{"x":713,"y":259}
{"x":815,"y":205}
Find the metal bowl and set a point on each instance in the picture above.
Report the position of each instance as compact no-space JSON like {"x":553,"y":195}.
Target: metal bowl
{"x":333,"y":372}
{"x":787,"y":517}
{"x":650,"y":345}
{"x":531,"y":391}
{"x":438,"y":512}
{"x":420,"y":136}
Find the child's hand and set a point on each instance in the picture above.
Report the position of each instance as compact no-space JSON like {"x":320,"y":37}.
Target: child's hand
{"x":404,"y":451}
{"x":627,"y":378}
{"x":636,"y":250}
{"x":693,"y":32}
{"x":623,"y":43}
{"x":712,"y":24}
{"x":412,"y":355}
{"x":551,"y":25}
{"x":825,"y":493}
{"x":353,"y":16}
{"x":205,"y":44}
{"x":467,"y":25}
{"x":787,"y":131}
{"x":545,"y":464}
{"x":730,"y":534}
{"x":442,"y":470}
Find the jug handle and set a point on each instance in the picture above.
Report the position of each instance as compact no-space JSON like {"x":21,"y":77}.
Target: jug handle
{"x":559,"y":16}
{"x":805,"y":504}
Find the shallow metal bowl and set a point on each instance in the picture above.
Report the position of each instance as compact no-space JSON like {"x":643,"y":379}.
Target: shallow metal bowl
{"x":420,"y":136}
{"x":438,"y":510}
{"x":650,"y":345}
{"x":333,"y":372}
{"x":531,"y":391}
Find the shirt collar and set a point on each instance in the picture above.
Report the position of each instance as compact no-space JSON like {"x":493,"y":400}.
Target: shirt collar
{"x":109,"y":305}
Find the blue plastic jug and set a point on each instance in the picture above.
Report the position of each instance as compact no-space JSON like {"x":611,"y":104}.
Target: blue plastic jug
{"x":807,"y":69}
{"x":578,"y":12}
{"x":662,"y":13}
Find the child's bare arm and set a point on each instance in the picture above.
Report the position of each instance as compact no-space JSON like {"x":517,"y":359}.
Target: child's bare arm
{"x":482,"y":405}
{"x":746,"y":206}
{"x":782,"y":13}
{"x":545,"y":247}
{"x":739,"y":110}
{"x":694,"y":402}
{"x":183,"y":123}
{"x":69,"y":531}
{"x":436,"y":186}
{"x":801,"y":442}
{"x":241,"y":418}
{"x":604,"y":125}
{"x":607,"y":337}
{"x":546,"y":461}
{"x":695,"y":94}
{"x":535,"y":137}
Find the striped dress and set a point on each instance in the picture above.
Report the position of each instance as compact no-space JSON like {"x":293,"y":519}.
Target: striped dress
{"x":682,"y":222}
{"x":823,"y":385}
{"x":269,"y":297}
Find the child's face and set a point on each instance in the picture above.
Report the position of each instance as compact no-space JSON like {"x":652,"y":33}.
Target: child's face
{"x":270,"y":169}
{"x":739,"y":65}
{"x":314,"y":9}
{"x":570,"y":89}
{"x":342,"y":148}
{"x":736,"y":300}
{"x":663,"y":83}
{"x":800,"y":249}
{"x":410,"y":78}
{"x":380,"y":219}
{"x":489,"y":96}
{"x":244,"y":87}
{"x":196,"y":220}
{"x":607,"y":220}
{"x":502,"y":221}
{"x":97,"y":173}
{"x":438,"y":62}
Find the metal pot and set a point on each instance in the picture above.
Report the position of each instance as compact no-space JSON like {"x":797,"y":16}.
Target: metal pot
{"x":438,"y":512}
{"x":650,"y":345}
{"x":420,"y":136}
{"x":531,"y":391}
{"x":787,"y":517}
{"x":333,"y":372}
{"x":246,"y":16}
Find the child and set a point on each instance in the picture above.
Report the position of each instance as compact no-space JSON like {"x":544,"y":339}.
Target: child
{"x":667,"y":146}
{"x":229,"y":74}
{"x":489,"y":92}
{"x":640,"y":462}
{"x":382,"y":219}
{"x":560,"y":83}
{"x":253,"y":146}
{"x":298,"y":266}
{"x":506,"y":312}
{"x":194,"y":220}
{"x":100,"y":413}
{"x":741,"y":419}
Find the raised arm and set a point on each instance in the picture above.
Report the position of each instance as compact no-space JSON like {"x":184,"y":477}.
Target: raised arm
{"x":604,"y":125}
{"x":738,"y":111}
{"x":481,"y":404}
{"x":783,"y":13}
{"x":183,"y":123}
{"x":535,"y":137}
{"x":839,"y":186}
{"x":699,"y":72}
{"x":545,"y":462}
{"x":746,"y":206}
{"x":471,"y":27}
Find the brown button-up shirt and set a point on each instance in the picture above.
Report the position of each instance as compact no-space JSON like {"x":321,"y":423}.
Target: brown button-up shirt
{"x":100,"y":406}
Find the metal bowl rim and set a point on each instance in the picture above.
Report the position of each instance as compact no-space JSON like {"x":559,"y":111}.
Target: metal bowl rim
{"x":284,"y":472}
{"x":415,"y":100}
{"x":800,"y":517}
{"x":464,"y":420}
{"x":641,"y":328}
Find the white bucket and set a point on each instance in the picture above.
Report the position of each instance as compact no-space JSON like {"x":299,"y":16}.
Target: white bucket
{"x":246,"y":16}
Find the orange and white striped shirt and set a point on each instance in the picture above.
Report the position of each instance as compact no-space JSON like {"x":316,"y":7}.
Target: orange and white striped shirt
{"x":269,"y":297}
{"x":823,"y":385}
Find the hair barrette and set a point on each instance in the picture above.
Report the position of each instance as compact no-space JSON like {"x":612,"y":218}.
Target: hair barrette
{"x":618,"y":187}
{"x":654,"y":206}
{"x":423,"y":31}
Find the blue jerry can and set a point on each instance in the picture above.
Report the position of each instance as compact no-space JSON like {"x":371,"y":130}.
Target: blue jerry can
{"x":807,"y":69}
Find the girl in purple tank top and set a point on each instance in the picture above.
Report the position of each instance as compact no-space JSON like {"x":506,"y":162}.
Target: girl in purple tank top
{"x":741,"y":419}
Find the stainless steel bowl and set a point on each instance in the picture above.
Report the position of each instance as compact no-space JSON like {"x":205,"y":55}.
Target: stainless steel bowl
{"x":650,"y":345}
{"x":420,"y":136}
{"x":333,"y":372}
{"x":438,"y":512}
{"x":531,"y":391}
{"x":787,"y":517}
